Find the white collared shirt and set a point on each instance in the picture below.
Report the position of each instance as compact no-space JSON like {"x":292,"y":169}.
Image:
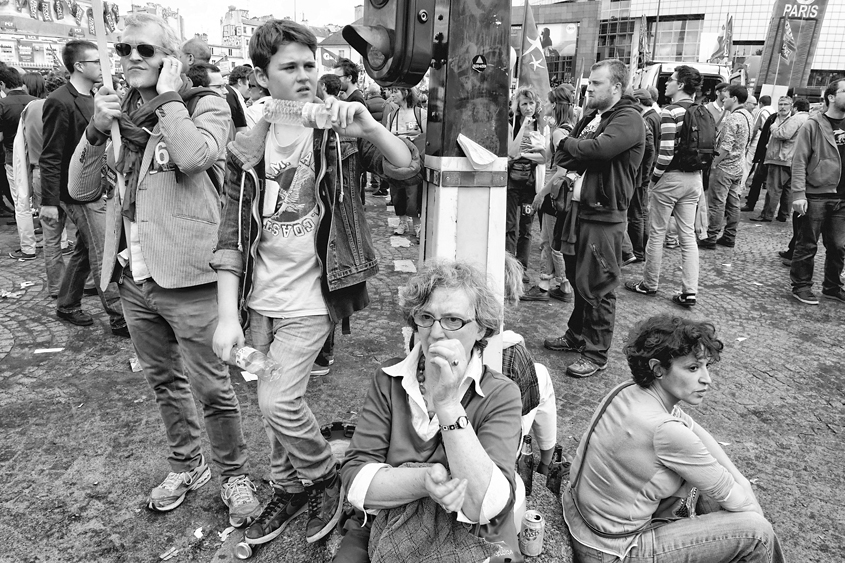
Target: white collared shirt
{"x":498,"y":490}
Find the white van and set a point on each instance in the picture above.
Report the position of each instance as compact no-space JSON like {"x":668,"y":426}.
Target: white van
{"x":656,"y":74}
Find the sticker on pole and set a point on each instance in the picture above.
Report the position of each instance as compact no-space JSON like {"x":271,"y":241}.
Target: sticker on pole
{"x":479,"y":63}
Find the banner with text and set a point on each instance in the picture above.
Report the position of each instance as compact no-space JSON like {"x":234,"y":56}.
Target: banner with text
{"x":791,"y":42}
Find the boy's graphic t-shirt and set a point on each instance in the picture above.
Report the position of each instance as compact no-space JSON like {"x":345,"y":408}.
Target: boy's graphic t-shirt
{"x":287,"y":271}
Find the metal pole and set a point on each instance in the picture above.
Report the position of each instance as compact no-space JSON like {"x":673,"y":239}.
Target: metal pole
{"x":656,"y":22}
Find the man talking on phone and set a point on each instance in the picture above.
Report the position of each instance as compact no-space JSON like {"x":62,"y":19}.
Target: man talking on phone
{"x":161,"y":229}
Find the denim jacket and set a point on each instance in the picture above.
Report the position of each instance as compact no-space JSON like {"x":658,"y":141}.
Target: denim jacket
{"x":344,"y":246}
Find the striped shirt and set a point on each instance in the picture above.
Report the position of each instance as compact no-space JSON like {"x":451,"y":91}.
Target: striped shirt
{"x":671,"y":119}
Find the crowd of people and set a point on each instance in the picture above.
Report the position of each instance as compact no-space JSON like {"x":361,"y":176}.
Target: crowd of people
{"x":212,"y":226}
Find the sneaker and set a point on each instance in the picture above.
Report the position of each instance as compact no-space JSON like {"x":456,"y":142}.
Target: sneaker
{"x":639,"y":287}
{"x":722,"y":241}
{"x":629,"y":260}
{"x":239,"y":495}
{"x":671,"y":243}
{"x":68,"y":250}
{"x":584,"y":368}
{"x":684,"y":299}
{"x":21,"y":255}
{"x":835,"y":295}
{"x":535,"y":294}
{"x":276,"y":516}
{"x":706,"y":244}
{"x":317,"y":369}
{"x":325,"y":503}
{"x":560,"y":295}
{"x":400,"y":230}
{"x":171,"y":492}
{"x":417,"y":230}
{"x":785,"y":254}
{"x":121,"y":331}
{"x":77,"y":317}
{"x":561,"y":344}
{"x":805,"y":295}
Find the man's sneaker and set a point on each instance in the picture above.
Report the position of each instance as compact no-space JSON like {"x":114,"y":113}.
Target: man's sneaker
{"x":535,"y":294}
{"x":325,"y":503}
{"x":804,"y":295}
{"x":239,"y":495}
{"x":639,"y":287}
{"x":77,"y":317}
{"x":276,"y":516}
{"x":722,"y":241}
{"x":684,"y":299}
{"x":560,"y":295}
{"x":835,"y":295}
{"x":629,"y":260}
{"x":560,"y":344}
{"x":584,"y":368}
{"x":68,"y":250}
{"x":401,"y":228}
{"x":706,"y":244}
{"x":785,"y":254}
{"x":671,"y":243}
{"x":171,"y":492}
{"x":317,"y":369}
{"x":21,"y":255}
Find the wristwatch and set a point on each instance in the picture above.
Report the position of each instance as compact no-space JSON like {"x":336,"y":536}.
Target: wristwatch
{"x":462,"y":422}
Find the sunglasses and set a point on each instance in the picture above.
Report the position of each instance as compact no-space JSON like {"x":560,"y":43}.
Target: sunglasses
{"x":146,"y":50}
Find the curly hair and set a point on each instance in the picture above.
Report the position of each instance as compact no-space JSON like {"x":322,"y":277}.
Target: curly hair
{"x":664,"y":338}
{"x":449,"y":274}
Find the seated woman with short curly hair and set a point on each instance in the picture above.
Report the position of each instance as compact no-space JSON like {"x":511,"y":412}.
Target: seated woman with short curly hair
{"x":644,"y":466}
{"x":430,"y":468}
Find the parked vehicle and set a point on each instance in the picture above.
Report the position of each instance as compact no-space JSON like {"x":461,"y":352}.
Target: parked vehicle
{"x":656,"y":74}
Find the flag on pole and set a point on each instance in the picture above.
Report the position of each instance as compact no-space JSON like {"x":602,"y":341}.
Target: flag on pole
{"x":533,"y":71}
{"x":788,"y":49}
{"x":328,"y":58}
{"x":722,"y":54}
{"x":644,"y":44}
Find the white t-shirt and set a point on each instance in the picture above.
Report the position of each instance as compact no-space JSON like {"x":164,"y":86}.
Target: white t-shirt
{"x":287,"y":271}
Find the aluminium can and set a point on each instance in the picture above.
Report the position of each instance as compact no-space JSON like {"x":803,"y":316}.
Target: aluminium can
{"x":532,"y":533}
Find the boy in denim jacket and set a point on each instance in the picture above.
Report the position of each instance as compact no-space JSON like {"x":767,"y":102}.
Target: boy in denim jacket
{"x":293,"y":256}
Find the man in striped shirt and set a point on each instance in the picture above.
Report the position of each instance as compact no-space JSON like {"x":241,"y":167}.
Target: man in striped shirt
{"x":673,"y":192}
{"x":727,"y":171}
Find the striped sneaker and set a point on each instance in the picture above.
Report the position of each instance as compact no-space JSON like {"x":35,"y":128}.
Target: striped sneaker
{"x":171,"y":492}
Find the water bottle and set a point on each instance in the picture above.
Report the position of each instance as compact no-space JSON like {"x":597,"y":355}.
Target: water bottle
{"x":256,"y":363}
{"x":291,"y":112}
{"x":558,"y":471}
{"x":525,"y":465}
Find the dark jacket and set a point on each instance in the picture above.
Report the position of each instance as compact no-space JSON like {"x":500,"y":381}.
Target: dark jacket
{"x":11,"y":108}
{"x":763,"y":141}
{"x":609,"y":159}
{"x":344,"y":247}
{"x":652,"y":121}
{"x":816,"y":163}
{"x":66,"y":115}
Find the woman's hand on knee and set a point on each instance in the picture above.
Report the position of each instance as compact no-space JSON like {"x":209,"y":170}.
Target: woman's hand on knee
{"x":448,"y":493}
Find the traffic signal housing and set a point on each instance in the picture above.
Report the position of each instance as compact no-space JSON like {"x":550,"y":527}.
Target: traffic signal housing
{"x":395,"y":40}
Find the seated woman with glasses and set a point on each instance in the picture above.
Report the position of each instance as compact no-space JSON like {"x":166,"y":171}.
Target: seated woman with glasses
{"x":430,"y":468}
{"x":644,"y":467}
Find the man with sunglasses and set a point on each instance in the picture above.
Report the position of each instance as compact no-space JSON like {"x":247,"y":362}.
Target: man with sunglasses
{"x":163,"y":219}
{"x":67,"y":112}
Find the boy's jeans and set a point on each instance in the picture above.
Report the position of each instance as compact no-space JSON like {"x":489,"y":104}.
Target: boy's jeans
{"x":298,"y":451}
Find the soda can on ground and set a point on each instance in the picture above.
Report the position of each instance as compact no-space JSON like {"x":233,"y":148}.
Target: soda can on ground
{"x":532,"y":533}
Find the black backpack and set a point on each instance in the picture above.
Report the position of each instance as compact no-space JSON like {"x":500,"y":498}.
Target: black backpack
{"x":697,"y":140}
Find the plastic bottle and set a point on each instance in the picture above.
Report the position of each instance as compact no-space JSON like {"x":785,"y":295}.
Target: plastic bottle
{"x":558,"y":471}
{"x":256,"y":363}
{"x":290,"y":112}
{"x":525,"y":464}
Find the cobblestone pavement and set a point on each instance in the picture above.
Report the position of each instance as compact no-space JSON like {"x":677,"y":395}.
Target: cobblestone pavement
{"x":82,"y":442}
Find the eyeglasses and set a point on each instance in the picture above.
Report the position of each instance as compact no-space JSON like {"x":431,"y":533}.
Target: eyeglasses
{"x":424,"y":320}
{"x":253,"y":85}
{"x":671,"y":80}
{"x":94,"y":62}
{"x":146,"y":50}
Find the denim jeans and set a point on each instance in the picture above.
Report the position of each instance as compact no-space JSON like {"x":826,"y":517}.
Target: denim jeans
{"x":518,"y":223}
{"x":298,"y":452}
{"x":637,"y":233}
{"x":677,"y":193}
{"x":87,"y":259}
{"x":171,"y":330}
{"x":55,"y":237}
{"x":23,"y":212}
{"x":551,"y":260}
{"x":707,"y":538}
{"x":723,"y":205}
{"x":778,"y":191}
{"x":825,"y":217}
